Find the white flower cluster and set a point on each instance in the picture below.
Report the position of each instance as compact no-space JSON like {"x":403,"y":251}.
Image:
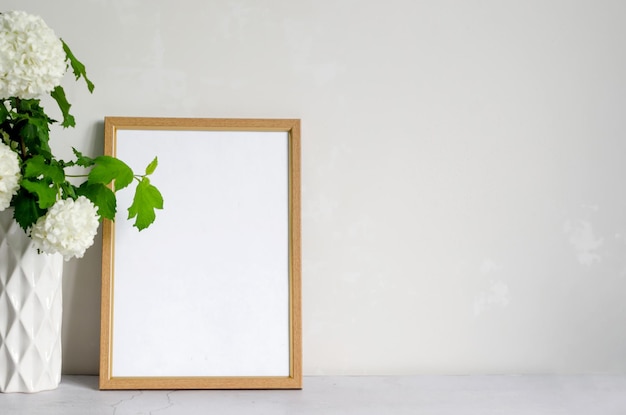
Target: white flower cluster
{"x":32,"y":59}
{"x":68,"y":228}
{"x":9,"y":175}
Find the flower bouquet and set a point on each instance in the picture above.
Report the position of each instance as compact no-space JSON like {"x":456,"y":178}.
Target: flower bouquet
{"x":43,"y":208}
{"x":57,"y":213}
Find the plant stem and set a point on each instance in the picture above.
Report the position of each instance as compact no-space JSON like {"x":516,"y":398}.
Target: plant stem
{"x":22,"y":145}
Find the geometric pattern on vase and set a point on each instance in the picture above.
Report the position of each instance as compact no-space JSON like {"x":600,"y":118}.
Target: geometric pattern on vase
{"x":31,"y":312}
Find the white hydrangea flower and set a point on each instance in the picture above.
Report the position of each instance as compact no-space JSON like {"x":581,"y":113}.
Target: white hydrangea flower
{"x":9,"y":175}
{"x":32,"y":59}
{"x":68,"y":228}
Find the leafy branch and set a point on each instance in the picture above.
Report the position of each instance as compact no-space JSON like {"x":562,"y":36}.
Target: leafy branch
{"x":44,"y":181}
{"x":35,"y":183}
{"x":109,"y":172}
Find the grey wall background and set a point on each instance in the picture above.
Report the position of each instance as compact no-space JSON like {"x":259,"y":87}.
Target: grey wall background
{"x":463,"y":163}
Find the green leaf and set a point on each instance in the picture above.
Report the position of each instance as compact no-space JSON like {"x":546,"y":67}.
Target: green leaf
{"x":46,"y":195}
{"x":31,"y":125}
{"x":31,"y":107}
{"x":107,"y":169}
{"x":34,"y":131}
{"x":152,"y":166}
{"x":59,"y":96}
{"x":77,"y":67}
{"x":69,"y":190}
{"x":147,"y":199}
{"x":101,"y":196}
{"x":37,"y":166}
{"x":26,"y":211}
{"x":4,"y":112}
{"x":82,"y":160}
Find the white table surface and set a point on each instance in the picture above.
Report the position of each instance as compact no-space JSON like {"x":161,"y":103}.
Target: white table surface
{"x":440,"y":395}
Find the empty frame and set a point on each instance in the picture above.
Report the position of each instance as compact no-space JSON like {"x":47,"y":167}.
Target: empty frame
{"x":208,"y":297}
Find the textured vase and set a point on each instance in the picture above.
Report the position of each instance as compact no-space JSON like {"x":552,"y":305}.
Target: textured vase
{"x":30,"y":312}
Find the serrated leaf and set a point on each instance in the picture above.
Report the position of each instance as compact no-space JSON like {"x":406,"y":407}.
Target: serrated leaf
{"x":82,"y":160}
{"x":46,"y":195}
{"x":31,"y":125}
{"x":69,"y":190}
{"x":108,"y":169}
{"x":31,"y":107}
{"x":25,"y":210}
{"x":59,"y":96}
{"x":77,"y":67}
{"x":152,"y":166}
{"x":101,"y":196}
{"x":37,"y":166}
{"x":147,"y":199}
{"x":36,"y":134}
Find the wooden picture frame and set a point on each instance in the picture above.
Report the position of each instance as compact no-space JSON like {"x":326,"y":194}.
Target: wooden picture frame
{"x":209,"y":296}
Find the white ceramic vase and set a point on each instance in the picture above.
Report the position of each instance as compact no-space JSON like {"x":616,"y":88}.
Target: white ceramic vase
{"x":31,"y":309}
